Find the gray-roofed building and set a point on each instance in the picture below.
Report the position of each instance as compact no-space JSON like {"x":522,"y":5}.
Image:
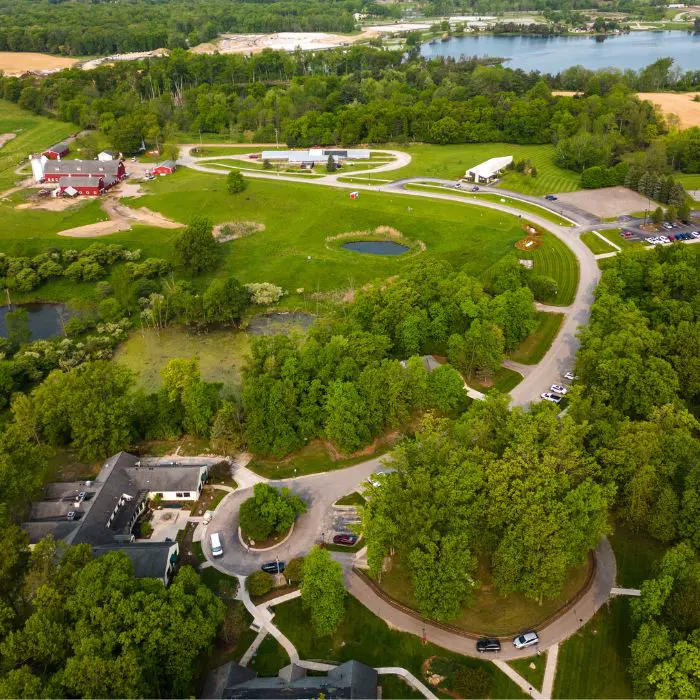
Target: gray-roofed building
{"x":349,"y":680}
{"x":149,"y":559}
{"x":53,"y":170}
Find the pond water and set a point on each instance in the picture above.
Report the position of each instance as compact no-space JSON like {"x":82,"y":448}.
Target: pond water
{"x":376,"y":247}
{"x":556,"y":53}
{"x":45,"y":320}
{"x":279,"y":322}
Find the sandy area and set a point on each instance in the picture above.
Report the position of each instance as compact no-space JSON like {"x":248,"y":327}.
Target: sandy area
{"x":103,"y":228}
{"x":50,"y":204}
{"x":119,"y":212}
{"x":6,"y":138}
{"x":607,"y":201}
{"x":679,"y":103}
{"x":135,"y":56}
{"x":19,"y":62}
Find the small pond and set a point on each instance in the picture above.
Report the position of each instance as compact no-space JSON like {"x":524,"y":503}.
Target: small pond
{"x":45,"y":320}
{"x":279,"y":322}
{"x":376,"y":247}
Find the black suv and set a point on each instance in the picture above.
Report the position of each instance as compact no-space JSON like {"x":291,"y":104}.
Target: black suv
{"x":484,"y":645}
{"x":273,"y":567}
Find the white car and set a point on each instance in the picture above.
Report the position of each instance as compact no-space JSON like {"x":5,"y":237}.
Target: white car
{"x":458,"y":185}
{"x":548,"y":396}
{"x":522,"y":641}
{"x":570,"y":376}
{"x":695,"y":234}
{"x":559,"y":389}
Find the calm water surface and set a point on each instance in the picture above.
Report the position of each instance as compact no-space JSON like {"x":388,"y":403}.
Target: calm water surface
{"x":554,"y":54}
{"x":376,"y":247}
{"x":45,"y":320}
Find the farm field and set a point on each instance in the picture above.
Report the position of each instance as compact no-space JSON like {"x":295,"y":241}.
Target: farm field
{"x":292,"y":251}
{"x":19,"y":62}
{"x":595,"y":245}
{"x":593,"y":663}
{"x":364,"y":637}
{"x":452,"y":162}
{"x":32,"y":133}
{"x":221,"y":354}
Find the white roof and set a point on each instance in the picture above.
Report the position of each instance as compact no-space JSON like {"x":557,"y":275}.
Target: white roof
{"x":490,"y":167}
{"x":71,"y":191}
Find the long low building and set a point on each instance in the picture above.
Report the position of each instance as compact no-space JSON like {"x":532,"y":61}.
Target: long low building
{"x":45,"y":170}
{"x":489,"y":170}
{"x":317,"y":155}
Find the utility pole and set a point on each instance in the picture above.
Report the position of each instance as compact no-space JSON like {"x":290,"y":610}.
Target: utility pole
{"x":277,"y":143}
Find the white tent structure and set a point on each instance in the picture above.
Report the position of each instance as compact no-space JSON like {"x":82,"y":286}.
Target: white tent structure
{"x":489,"y":170}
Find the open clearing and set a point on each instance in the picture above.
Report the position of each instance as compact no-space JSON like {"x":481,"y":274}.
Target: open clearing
{"x":595,"y":244}
{"x":607,"y":202}
{"x":451,"y":162}
{"x":19,"y":62}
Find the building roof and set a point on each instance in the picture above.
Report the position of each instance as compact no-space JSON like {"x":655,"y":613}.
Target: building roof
{"x":490,"y":167}
{"x":82,"y":167}
{"x":167,"y":164}
{"x":57,"y":148}
{"x":109,"y":152}
{"x":90,"y":181}
{"x":149,"y":559}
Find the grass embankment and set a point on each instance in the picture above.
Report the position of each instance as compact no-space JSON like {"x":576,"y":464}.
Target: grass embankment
{"x":504,"y":380}
{"x":451,"y":162}
{"x":298,"y":219}
{"x":366,"y":638}
{"x":33,"y":134}
{"x":221,"y":354}
{"x":534,"y":676}
{"x":535,"y":346}
{"x":595,"y":244}
{"x":491,"y":613}
{"x":593,"y":663}
{"x":526,"y":207}
{"x":311,"y":459}
{"x":352,"y":499}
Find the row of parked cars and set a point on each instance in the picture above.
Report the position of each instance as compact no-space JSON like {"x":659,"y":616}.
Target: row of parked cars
{"x":666,"y":240}
{"x":520,"y":641}
{"x":557,"y":391}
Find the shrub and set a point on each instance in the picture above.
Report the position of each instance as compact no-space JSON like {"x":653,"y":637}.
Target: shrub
{"x":264,"y":292}
{"x":254,"y":524}
{"x":294,"y":573}
{"x":235,"y":182}
{"x":259,"y":583}
{"x":269,"y":511}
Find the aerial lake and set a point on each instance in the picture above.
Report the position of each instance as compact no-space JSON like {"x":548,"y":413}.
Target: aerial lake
{"x":556,"y":53}
{"x":376,"y":247}
{"x":44,"y":320}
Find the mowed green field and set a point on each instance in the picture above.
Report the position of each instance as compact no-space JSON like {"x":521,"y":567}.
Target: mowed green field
{"x":33,"y":134}
{"x":453,"y":161}
{"x":292,"y":251}
{"x":690,"y":182}
{"x":595,"y":244}
{"x":593,"y":663}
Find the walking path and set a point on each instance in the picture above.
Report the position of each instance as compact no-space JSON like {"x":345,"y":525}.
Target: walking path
{"x":606,"y":240}
{"x":550,"y":671}
{"x":518,"y":679}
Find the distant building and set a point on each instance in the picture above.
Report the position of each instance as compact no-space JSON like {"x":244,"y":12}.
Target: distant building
{"x":149,"y":559}
{"x":317,"y":155}
{"x":56,"y":152}
{"x":489,"y":170}
{"x":349,"y":680}
{"x":53,"y":171}
{"x":91,"y":186}
{"x":107,"y":155}
{"x":167,"y":167}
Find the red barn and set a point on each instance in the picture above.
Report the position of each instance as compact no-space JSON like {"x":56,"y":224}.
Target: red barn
{"x":92,"y":186}
{"x":60,"y":150}
{"x":54,"y":171}
{"x":167,"y":167}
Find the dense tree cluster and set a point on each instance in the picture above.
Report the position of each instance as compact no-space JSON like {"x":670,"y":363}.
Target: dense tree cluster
{"x":270,"y":511}
{"x":515,"y":488}
{"x":77,"y":627}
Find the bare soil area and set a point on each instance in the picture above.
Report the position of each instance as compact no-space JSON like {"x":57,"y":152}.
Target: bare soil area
{"x":607,"y":201}
{"x":20,"y":62}
{"x":6,"y":138}
{"x":134,"y":56}
{"x":102,"y":228}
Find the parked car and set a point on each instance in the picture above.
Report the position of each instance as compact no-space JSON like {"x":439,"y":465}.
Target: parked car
{"x":522,"y":641}
{"x":254,"y":156}
{"x":559,"y":389}
{"x":81,"y":497}
{"x":72,"y":515}
{"x":475,"y":188}
{"x":627,"y":234}
{"x":273,"y":567}
{"x":548,"y":396}
{"x":551,"y":197}
{"x":487,"y":645}
{"x":570,"y":376}
{"x":345,"y":540}
{"x":458,"y":185}
{"x":217,"y":549}
{"x":695,"y":234}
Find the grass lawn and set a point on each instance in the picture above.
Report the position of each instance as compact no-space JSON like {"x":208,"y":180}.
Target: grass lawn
{"x":492,"y":614}
{"x":636,"y":554}
{"x":535,"y":676}
{"x":269,"y":658}
{"x":535,"y":346}
{"x":210,"y":151}
{"x":527,"y":207}
{"x":593,"y":663}
{"x":311,"y":459}
{"x":213,"y":578}
{"x":221,"y":354}
{"x":690,"y":182}
{"x":595,"y":244}
{"x":298,"y":219}
{"x":504,"y":380}
{"x":451,"y":162}
{"x":396,"y":688}
{"x":613,"y":235}
{"x":352,"y":499}
{"x":33,"y":134}
{"x":366,"y":638}
{"x":554,"y":259}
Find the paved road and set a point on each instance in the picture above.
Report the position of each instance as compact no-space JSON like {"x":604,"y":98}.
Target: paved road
{"x":560,"y":357}
{"x":320,"y":491}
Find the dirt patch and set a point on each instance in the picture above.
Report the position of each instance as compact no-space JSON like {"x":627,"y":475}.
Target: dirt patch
{"x":135,"y":56}
{"x":607,"y":202}
{"x":233,"y":230}
{"x":102,"y":228}
{"x":6,"y":138}
{"x":18,"y":62}
{"x":50,"y":204}
{"x":142,"y":215}
{"x":130,"y":189}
